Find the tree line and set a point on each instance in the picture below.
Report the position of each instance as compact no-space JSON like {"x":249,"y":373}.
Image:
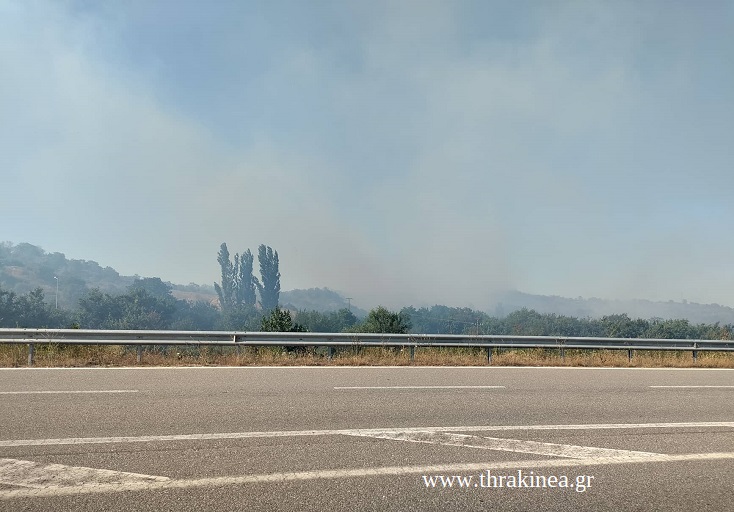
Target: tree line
{"x":249,"y":303}
{"x":527,"y":322}
{"x":148,"y":304}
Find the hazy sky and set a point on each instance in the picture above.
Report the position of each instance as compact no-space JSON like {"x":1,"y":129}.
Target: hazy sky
{"x":397,"y":151}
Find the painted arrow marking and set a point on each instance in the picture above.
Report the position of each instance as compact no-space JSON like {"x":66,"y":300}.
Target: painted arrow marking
{"x":509,"y":445}
{"x":35,"y":475}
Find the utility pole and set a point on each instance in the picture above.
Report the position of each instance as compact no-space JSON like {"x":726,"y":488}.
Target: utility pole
{"x":57,"y":292}
{"x":349,"y":303}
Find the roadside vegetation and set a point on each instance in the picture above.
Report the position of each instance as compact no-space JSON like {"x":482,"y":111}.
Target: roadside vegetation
{"x":106,"y":355}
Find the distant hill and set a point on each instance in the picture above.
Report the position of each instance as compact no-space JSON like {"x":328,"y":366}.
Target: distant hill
{"x":25,"y":267}
{"x":195,"y":293}
{"x":597,"y":308}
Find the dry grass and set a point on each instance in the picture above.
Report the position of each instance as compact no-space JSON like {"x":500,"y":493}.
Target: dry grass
{"x":105,"y":355}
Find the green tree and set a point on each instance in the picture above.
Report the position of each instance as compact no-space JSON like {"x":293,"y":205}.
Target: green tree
{"x":225,"y":290}
{"x":269,"y":285}
{"x":141,"y":310}
{"x":137,"y":309}
{"x":343,"y":319}
{"x":526,"y":322}
{"x":152,"y":285}
{"x":333,"y":321}
{"x":30,"y":311}
{"x":98,"y":310}
{"x":195,"y":316}
{"x":244,"y":280}
{"x":622,"y":326}
{"x":238,"y":284}
{"x":9,"y":308}
{"x":670,"y":329}
{"x":34,"y":312}
{"x":279,"y":320}
{"x":239,"y":318}
{"x":380,"y":320}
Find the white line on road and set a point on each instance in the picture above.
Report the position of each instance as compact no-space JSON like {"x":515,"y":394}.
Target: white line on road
{"x":683,"y":387}
{"x":74,"y":392}
{"x":352,"y":432}
{"x":511,"y":445}
{"x":349,"y":473}
{"x":419,"y":387}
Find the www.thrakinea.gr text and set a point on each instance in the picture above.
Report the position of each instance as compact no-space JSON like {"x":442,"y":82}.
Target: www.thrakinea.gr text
{"x":518,"y":480}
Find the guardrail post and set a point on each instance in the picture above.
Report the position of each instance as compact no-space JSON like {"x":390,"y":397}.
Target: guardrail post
{"x":412,"y":353}
{"x":489,"y":355}
{"x":140,"y":352}
{"x":629,"y":355}
{"x":695,"y":352}
{"x":330,"y":352}
{"x":31,"y":353}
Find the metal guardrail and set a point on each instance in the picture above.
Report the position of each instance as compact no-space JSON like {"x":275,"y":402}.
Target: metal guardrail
{"x":33,"y":337}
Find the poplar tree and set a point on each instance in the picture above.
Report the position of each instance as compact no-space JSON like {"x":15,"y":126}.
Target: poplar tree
{"x":269,"y":286}
{"x":224,"y":291}
{"x":245,"y":281}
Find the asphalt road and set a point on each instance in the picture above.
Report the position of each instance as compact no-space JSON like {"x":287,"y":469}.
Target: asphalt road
{"x":334,"y":438}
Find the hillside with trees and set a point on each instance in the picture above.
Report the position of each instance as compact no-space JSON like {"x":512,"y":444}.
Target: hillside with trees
{"x":25,"y":268}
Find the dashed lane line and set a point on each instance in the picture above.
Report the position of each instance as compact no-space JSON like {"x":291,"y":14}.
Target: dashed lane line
{"x":416,"y":387}
{"x":72,"y":392}
{"x":690,"y":387}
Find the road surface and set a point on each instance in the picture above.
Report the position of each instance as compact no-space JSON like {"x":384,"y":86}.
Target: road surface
{"x":335,"y":438}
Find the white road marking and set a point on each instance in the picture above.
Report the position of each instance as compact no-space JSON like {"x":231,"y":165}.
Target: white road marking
{"x":511,"y":445}
{"x":357,"y":432}
{"x":24,"y":473}
{"x":677,"y":387}
{"x":419,"y":387}
{"x":79,"y":392}
{"x":349,"y":473}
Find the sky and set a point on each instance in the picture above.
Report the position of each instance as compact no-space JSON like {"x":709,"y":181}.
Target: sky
{"x":400,"y":152}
